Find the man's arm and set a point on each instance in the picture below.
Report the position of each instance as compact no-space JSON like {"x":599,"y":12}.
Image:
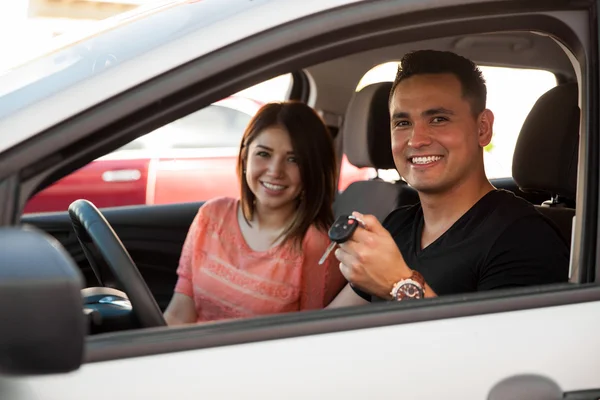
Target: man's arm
{"x":529,"y":252}
{"x":371,"y":260}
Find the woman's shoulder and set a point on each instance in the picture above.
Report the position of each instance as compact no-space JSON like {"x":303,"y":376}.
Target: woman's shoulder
{"x":217,"y":215}
{"x":220,"y":202}
{"x":315,"y":239}
{"x":215,"y":212}
{"x":219,"y":206}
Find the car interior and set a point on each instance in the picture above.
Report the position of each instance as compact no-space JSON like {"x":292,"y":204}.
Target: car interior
{"x":544,"y":168}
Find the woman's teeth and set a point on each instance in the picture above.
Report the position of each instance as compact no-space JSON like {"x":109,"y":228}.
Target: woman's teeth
{"x":271,"y":186}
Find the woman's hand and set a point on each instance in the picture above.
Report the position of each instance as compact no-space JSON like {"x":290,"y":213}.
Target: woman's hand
{"x":181,"y":310}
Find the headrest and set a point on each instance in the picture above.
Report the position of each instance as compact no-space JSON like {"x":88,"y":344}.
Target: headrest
{"x":367,"y":133}
{"x":545,"y":157}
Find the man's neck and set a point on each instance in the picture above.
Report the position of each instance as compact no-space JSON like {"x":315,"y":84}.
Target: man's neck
{"x":442,"y":210}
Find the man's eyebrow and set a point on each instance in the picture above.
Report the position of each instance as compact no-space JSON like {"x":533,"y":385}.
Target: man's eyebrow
{"x":426,"y":113}
{"x":437,"y":111}
{"x":400,"y":115}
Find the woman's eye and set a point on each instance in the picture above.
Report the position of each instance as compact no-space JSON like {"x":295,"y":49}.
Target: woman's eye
{"x":262,"y":153}
{"x":293,"y":160}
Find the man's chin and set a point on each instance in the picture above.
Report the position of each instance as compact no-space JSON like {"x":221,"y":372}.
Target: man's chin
{"x":428,"y":188}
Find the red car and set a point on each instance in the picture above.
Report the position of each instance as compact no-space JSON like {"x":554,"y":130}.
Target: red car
{"x":191,"y":159}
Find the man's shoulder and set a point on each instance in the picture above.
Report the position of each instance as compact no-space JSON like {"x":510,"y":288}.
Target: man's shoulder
{"x":503,"y":208}
{"x":505,"y":201}
{"x":514,"y":213}
{"x":402,"y":215}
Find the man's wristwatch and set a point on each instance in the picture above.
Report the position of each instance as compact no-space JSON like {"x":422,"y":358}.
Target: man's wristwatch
{"x":409,"y":288}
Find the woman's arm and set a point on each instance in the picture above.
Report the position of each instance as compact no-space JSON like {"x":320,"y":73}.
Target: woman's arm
{"x":181,"y":310}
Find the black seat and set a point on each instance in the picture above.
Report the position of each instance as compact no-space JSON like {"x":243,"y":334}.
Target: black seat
{"x":367,"y":143}
{"x":546,"y":154}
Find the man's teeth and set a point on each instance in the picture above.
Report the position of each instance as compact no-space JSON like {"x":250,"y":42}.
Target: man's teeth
{"x":272,"y":186}
{"x":425,"y":160}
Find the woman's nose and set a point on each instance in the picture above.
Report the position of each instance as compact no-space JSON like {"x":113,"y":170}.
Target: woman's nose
{"x":275,"y":167}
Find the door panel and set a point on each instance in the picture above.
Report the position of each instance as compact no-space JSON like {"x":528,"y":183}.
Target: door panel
{"x":453,"y":358}
{"x":153,"y":236}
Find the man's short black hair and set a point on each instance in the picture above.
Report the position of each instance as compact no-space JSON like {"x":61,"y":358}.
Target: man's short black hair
{"x":444,"y":62}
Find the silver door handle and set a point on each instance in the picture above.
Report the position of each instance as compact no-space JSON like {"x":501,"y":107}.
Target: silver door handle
{"x":121,"y":175}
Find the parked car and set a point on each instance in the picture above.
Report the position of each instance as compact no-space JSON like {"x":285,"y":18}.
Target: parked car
{"x":71,"y":106}
{"x":188,"y":160}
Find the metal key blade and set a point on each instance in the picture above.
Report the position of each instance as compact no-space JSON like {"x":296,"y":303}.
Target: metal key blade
{"x":327,"y":252}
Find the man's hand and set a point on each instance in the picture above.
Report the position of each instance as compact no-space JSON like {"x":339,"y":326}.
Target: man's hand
{"x":371,"y":260}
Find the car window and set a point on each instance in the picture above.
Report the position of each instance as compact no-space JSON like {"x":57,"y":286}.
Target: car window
{"x":219,"y":125}
{"x":510,"y":109}
{"x":213,"y":126}
{"x":190,"y":159}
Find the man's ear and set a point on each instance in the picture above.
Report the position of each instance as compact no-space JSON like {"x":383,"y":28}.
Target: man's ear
{"x":486,"y":127}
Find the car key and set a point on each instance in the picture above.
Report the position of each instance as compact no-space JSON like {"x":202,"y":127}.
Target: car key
{"x":341,"y":230}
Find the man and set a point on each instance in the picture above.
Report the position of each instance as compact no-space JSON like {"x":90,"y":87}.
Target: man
{"x":465,"y":235}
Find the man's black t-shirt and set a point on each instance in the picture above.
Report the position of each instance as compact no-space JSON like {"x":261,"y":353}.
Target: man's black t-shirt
{"x":501,"y":242}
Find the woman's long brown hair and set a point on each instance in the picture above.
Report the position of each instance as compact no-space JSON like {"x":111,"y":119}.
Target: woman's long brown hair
{"x":313,"y":148}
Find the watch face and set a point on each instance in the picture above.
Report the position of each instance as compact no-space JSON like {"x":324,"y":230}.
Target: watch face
{"x":411,"y":291}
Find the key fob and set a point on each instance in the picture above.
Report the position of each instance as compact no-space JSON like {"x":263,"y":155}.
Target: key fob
{"x":343,"y":228}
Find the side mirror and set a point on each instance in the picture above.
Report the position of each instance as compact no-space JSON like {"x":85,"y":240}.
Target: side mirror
{"x":41,"y":314}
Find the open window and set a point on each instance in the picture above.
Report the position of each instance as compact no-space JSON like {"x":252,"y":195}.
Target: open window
{"x":191,"y":159}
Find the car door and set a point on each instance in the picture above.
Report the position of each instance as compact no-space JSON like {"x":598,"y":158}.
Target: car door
{"x":450,"y":347}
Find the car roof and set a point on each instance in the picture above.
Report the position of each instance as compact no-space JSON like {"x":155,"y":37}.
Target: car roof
{"x":128,"y":50}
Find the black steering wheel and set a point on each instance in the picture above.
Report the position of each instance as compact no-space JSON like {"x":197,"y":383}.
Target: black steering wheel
{"x":91,"y":226}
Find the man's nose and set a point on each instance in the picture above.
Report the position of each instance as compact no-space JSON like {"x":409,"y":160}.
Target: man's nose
{"x":420,"y":136}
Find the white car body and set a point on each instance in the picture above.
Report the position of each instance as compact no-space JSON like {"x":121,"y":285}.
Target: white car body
{"x":460,"y":353}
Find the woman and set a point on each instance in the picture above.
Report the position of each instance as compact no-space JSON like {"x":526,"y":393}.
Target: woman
{"x":259,"y":254}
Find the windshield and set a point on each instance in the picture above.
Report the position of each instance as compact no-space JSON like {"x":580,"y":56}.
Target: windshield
{"x":114,"y":42}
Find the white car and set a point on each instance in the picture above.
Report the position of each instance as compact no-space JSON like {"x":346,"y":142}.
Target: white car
{"x":144,"y":69}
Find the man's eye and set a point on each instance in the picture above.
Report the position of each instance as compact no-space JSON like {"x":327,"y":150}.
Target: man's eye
{"x":401,"y":124}
{"x":437,"y":120}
